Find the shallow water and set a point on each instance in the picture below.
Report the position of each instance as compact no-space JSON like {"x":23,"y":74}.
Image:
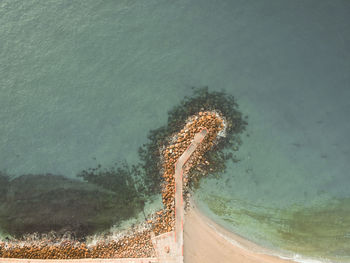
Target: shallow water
{"x":83,"y":82}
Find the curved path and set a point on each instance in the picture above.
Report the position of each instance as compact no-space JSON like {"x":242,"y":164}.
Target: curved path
{"x":179,"y":207}
{"x":169,"y":246}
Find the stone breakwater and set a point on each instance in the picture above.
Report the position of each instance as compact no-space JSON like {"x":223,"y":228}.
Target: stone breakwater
{"x":138,"y":244}
{"x":214,"y":123}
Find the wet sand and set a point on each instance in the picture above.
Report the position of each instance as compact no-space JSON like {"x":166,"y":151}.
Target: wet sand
{"x":207,"y":242}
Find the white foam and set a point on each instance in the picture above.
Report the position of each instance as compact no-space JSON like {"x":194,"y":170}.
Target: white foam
{"x":302,"y":259}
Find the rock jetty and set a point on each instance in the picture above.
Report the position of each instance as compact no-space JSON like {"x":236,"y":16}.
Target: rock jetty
{"x":138,"y":244}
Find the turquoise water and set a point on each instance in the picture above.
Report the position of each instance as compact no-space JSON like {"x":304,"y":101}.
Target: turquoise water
{"x":83,"y":82}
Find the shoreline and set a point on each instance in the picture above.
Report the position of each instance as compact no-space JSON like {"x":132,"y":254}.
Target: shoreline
{"x":206,"y":241}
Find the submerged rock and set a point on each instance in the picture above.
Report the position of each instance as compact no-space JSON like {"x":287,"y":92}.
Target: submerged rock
{"x":42,"y":203}
{"x":4,"y":181}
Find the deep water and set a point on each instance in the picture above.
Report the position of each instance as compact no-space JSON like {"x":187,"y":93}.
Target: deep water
{"x":82,"y":83}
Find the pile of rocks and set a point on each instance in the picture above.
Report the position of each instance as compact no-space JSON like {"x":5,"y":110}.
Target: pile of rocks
{"x":138,"y":244}
{"x":214,"y":123}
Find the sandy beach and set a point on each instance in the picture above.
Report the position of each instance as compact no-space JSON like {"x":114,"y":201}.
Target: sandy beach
{"x":205,"y":241}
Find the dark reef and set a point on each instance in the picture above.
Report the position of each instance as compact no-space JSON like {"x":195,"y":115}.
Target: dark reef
{"x":44,"y":203}
{"x":107,"y":196}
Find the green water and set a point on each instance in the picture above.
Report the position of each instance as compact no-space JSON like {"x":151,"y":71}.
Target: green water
{"x":320,"y":230}
{"x":82,"y":83}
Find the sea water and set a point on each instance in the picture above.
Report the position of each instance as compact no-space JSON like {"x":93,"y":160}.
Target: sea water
{"x":83,"y":82}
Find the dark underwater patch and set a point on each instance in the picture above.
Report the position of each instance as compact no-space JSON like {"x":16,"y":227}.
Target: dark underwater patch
{"x":44,"y":203}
